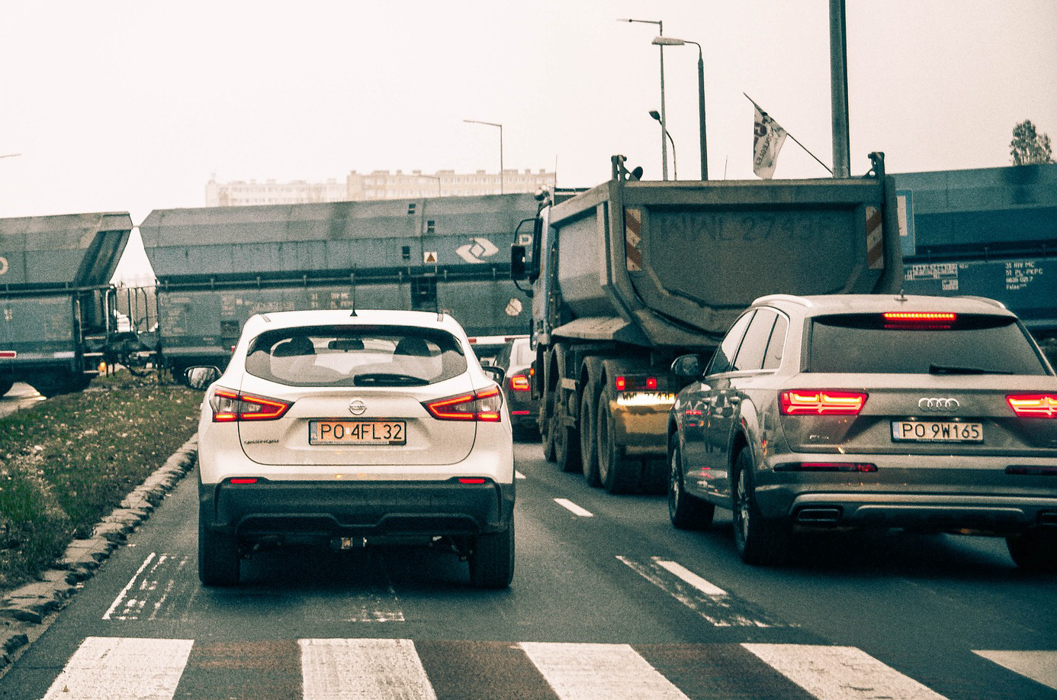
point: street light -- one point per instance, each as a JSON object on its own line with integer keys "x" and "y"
{"x": 665, "y": 132}
{"x": 474, "y": 121}
{"x": 669, "y": 41}
{"x": 664, "y": 117}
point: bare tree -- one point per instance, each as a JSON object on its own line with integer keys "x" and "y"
{"x": 1029, "y": 147}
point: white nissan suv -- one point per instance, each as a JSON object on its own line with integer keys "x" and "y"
{"x": 353, "y": 428}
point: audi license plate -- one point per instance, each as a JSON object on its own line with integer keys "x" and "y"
{"x": 937, "y": 431}
{"x": 357, "y": 432}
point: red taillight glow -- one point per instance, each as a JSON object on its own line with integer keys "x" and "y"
{"x": 651, "y": 383}
{"x": 1033, "y": 405}
{"x": 621, "y": 383}
{"x": 471, "y": 480}
{"x": 483, "y": 405}
{"x": 919, "y": 320}
{"x": 801, "y": 402}
{"x": 519, "y": 382}
{"x": 243, "y": 480}
{"x": 826, "y": 467}
{"x": 231, "y": 407}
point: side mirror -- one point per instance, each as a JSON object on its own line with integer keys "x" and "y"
{"x": 201, "y": 377}
{"x": 498, "y": 372}
{"x": 517, "y": 263}
{"x": 687, "y": 367}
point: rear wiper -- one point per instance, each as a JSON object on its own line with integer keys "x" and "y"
{"x": 388, "y": 378}
{"x": 952, "y": 369}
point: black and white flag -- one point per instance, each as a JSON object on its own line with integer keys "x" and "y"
{"x": 769, "y": 137}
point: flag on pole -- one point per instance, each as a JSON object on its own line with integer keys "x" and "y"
{"x": 768, "y": 139}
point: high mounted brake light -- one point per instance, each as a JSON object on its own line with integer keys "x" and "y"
{"x": 919, "y": 320}
{"x": 820, "y": 402}
{"x": 232, "y": 407}
{"x": 483, "y": 405}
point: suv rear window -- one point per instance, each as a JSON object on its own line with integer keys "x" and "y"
{"x": 967, "y": 344}
{"x": 355, "y": 356}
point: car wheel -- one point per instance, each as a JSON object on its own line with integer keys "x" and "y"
{"x": 588, "y": 430}
{"x": 1035, "y": 550}
{"x": 760, "y": 540}
{"x": 492, "y": 561}
{"x": 616, "y": 474}
{"x": 218, "y": 557}
{"x": 685, "y": 511}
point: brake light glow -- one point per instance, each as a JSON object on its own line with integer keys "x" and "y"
{"x": 519, "y": 382}
{"x": 483, "y": 406}
{"x": 243, "y": 480}
{"x": 800, "y": 402}
{"x": 471, "y": 480}
{"x": 651, "y": 383}
{"x": 1033, "y": 405}
{"x": 919, "y": 320}
{"x": 621, "y": 383}
{"x": 232, "y": 407}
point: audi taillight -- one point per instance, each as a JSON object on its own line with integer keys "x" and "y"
{"x": 483, "y": 405}
{"x": 1033, "y": 405}
{"x": 519, "y": 382}
{"x": 232, "y": 406}
{"x": 807, "y": 402}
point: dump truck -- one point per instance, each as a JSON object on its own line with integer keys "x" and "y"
{"x": 59, "y": 318}
{"x": 630, "y": 274}
{"x": 217, "y": 266}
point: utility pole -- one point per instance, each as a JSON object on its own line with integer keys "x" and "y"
{"x": 838, "y": 58}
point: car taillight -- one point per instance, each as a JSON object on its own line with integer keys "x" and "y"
{"x": 801, "y": 402}
{"x": 1033, "y": 405}
{"x": 483, "y": 405}
{"x": 231, "y": 407}
{"x": 919, "y": 320}
{"x": 519, "y": 382}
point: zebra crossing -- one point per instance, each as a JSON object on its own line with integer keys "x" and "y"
{"x": 104, "y": 668}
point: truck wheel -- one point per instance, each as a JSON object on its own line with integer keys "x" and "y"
{"x": 566, "y": 439}
{"x": 547, "y": 410}
{"x": 759, "y": 540}
{"x": 685, "y": 511}
{"x": 492, "y": 560}
{"x": 1035, "y": 550}
{"x": 218, "y": 557}
{"x": 616, "y": 473}
{"x": 589, "y": 430}
{"x": 5, "y": 386}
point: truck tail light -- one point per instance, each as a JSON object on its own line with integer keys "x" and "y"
{"x": 1033, "y": 405}
{"x": 820, "y": 402}
{"x": 232, "y": 407}
{"x": 483, "y": 405}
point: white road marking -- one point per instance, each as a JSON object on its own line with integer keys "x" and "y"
{"x": 518, "y": 475}
{"x": 690, "y": 577}
{"x": 840, "y": 673}
{"x": 592, "y": 671}
{"x": 109, "y": 667}
{"x": 573, "y": 508}
{"x": 128, "y": 586}
{"x": 379, "y": 669}
{"x": 1039, "y": 666}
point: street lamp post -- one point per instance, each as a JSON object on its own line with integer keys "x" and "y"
{"x": 675, "y": 160}
{"x": 474, "y": 121}
{"x": 664, "y": 116}
{"x": 670, "y": 41}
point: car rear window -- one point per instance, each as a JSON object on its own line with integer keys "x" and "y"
{"x": 355, "y": 356}
{"x": 965, "y": 344}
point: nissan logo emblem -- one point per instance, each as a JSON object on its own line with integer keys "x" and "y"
{"x": 938, "y": 405}
{"x": 357, "y": 407}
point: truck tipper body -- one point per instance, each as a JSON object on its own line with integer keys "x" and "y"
{"x": 631, "y": 274}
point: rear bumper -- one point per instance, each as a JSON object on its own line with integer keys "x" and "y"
{"x": 363, "y": 509}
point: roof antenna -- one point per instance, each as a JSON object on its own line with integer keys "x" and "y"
{"x": 352, "y": 284}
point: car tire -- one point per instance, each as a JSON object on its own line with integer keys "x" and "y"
{"x": 616, "y": 473}
{"x": 685, "y": 511}
{"x": 1035, "y": 550}
{"x": 218, "y": 557}
{"x": 760, "y": 541}
{"x": 492, "y": 560}
{"x": 589, "y": 430}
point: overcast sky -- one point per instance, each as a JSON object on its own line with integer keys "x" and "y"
{"x": 132, "y": 106}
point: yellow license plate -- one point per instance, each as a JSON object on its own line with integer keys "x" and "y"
{"x": 357, "y": 432}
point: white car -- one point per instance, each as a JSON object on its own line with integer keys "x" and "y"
{"x": 351, "y": 429}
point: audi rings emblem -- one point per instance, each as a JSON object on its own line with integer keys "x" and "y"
{"x": 357, "y": 407}
{"x": 938, "y": 405}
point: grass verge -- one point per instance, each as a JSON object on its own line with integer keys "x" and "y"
{"x": 67, "y": 462}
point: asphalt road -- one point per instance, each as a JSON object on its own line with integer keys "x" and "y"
{"x": 608, "y": 600}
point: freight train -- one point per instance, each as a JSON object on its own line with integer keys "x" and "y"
{"x": 215, "y": 267}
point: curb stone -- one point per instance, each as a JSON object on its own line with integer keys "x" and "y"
{"x": 23, "y": 611}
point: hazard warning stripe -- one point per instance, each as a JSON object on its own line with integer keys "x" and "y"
{"x": 874, "y": 239}
{"x": 633, "y": 239}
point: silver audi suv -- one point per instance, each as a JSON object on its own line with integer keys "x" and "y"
{"x": 873, "y": 411}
